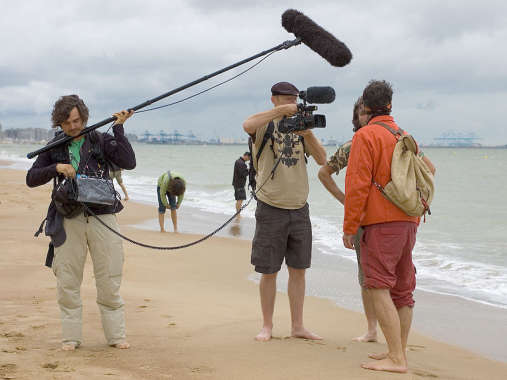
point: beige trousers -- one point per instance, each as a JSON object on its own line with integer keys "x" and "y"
{"x": 106, "y": 250}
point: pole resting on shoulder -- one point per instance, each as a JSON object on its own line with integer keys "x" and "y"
{"x": 54, "y": 144}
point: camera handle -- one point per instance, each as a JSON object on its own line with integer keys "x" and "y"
{"x": 283, "y": 46}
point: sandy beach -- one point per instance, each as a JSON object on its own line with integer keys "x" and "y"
{"x": 191, "y": 314}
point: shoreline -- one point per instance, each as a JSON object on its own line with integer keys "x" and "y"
{"x": 179, "y": 309}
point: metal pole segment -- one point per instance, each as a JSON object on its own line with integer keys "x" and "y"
{"x": 284, "y": 45}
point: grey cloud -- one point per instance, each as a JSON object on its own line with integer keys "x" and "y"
{"x": 444, "y": 59}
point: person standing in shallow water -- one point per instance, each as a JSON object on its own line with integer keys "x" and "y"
{"x": 239, "y": 180}
{"x": 283, "y": 229}
{"x": 73, "y": 236}
{"x": 338, "y": 161}
{"x": 115, "y": 173}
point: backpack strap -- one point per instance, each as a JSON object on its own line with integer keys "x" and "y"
{"x": 268, "y": 135}
{"x": 97, "y": 143}
{"x": 399, "y": 133}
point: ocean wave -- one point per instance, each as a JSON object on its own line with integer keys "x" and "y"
{"x": 442, "y": 267}
{"x": 17, "y": 161}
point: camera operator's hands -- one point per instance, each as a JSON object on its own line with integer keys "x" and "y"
{"x": 122, "y": 116}
{"x": 304, "y": 132}
{"x": 66, "y": 169}
{"x": 287, "y": 109}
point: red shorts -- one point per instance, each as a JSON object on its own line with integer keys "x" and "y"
{"x": 386, "y": 259}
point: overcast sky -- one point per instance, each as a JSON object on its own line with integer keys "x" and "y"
{"x": 447, "y": 61}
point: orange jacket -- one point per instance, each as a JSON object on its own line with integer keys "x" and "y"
{"x": 370, "y": 158}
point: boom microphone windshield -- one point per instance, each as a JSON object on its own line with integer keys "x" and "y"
{"x": 318, "y": 95}
{"x": 316, "y": 38}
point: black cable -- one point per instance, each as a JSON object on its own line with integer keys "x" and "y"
{"x": 208, "y": 89}
{"x": 87, "y": 209}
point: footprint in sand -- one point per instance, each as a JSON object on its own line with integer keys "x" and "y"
{"x": 142, "y": 307}
{"x": 50, "y": 365}
{"x": 415, "y": 347}
{"x": 422, "y": 373}
{"x": 13, "y": 334}
{"x": 6, "y": 371}
{"x": 318, "y": 342}
{"x": 147, "y": 299}
{"x": 341, "y": 348}
{"x": 35, "y": 327}
{"x": 171, "y": 324}
{"x": 8, "y": 367}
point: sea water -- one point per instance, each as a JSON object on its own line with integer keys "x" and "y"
{"x": 461, "y": 250}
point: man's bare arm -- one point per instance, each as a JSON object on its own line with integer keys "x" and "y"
{"x": 313, "y": 146}
{"x": 254, "y": 122}
{"x": 327, "y": 180}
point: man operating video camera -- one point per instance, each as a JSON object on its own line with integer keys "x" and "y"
{"x": 283, "y": 229}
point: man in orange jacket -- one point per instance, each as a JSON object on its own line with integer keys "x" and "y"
{"x": 389, "y": 234}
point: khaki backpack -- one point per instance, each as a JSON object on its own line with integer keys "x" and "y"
{"x": 412, "y": 186}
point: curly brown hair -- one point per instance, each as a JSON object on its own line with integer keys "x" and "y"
{"x": 63, "y": 107}
{"x": 177, "y": 186}
{"x": 355, "y": 114}
{"x": 377, "y": 96}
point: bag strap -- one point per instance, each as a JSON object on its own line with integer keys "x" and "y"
{"x": 267, "y": 135}
{"x": 397, "y": 133}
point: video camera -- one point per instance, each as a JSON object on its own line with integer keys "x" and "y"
{"x": 304, "y": 118}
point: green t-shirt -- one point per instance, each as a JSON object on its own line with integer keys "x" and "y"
{"x": 163, "y": 184}
{"x": 74, "y": 152}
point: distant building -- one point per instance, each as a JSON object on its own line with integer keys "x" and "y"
{"x": 25, "y": 135}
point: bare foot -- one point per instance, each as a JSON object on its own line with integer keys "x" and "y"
{"x": 385, "y": 365}
{"x": 126, "y": 199}
{"x": 121, "y": 345}
{"x": 69, "y": 346}
{"x": 264, "y": 335}
{"x": 305, "y": 334}
{"x": 366, "y": 338}
{"x": 162, "y": 230}
{"x": 378, "y": 356}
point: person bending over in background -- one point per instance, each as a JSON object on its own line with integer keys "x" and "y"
{"x": 170, "y": 185}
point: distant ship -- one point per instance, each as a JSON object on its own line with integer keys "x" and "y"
{"x": 457, "y": 140}
{"x": 173, "y": 138}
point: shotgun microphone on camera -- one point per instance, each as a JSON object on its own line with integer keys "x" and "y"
{"x": 318, "y": 95}
{"x": 316, "y": 38}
